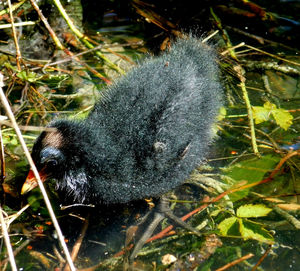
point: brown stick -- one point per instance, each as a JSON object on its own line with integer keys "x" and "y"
{"x": 250, "y": 255}
{"x": 262, "y": 258}
{"x": 78, "y": 243}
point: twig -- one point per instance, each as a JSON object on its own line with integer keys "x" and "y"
{"x": 69, "y": 96}
{"x": 13, "y": 8}
{"x": 36, "y": 174}
{"x": 82, "y": 37}
{"x": 78, "y": 243}
{"x": 210, "y": 36}
{"x": 262, "y": 258}
{"x": 68, "y": 19}
{"x": 3, "y": 175}
{"x": 76, "y": 205}
{"x": 3, "y": 26}
{"x": 2, "y": 160}
{"x": 18, "y": 53}
{"x": 274, "y": 143}
{"x": 275, "y": 56}
{"x": 289, "y": 218}
{"x": 7, "y": 242}
{"x": 246, "y": 257}
{"x": 16, "y": 215}
{"x": 240, "y": 73}
{"x": 233, "y": 48}
{"x": 50, "y": 30}
{"x": 58, "y": 256}
{"x": 263, "y": 65}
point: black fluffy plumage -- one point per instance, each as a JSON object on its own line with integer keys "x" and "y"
{"x": 144, "y": 137}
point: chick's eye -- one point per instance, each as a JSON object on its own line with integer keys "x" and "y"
{"x": 52, "y": 163}
{"x": 51, "y": 157}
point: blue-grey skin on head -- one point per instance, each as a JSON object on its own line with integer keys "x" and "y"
{"x": 143, "y": 138}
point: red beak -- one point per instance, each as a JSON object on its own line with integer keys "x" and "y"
{"x": 31, "y": 181}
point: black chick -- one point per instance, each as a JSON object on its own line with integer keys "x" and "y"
{"x": 143, "y": 138}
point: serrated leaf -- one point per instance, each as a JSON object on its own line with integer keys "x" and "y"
{"x": 263, "y": 113}
{"x": 269, "y": 106}
{"x": 260, "y": 114}
{"x": 226, "y": 225}
{"x": 250, "y": 171}
{"x": 283, "y": 118}
{"x": 251, "y": 230}
{"x": 250, "y": 210}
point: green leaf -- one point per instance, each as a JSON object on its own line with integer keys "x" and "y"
{"x": 251, "y": 230}
{"x": 251, "y": 170}
{"x": 226, "y": 225}
{"x": 10, "y": 140}
{"x": 29, "y": 76}
{"x": 260, "y": 114}
{"x": 283, "y": 118}
{"x": 263, "y": 113}
{"x": 250, "y": 210}
{"x": 269, "y": 106}
{"x": 215, "y": 212}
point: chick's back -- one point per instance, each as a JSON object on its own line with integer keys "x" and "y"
{"x": 157, "y": 122}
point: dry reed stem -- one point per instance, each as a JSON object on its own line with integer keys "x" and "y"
{"x": 7, "y": 242}
{"x": 36, "y": 174}
{"x": 18, "y": 52}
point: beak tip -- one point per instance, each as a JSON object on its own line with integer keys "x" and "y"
{"x": 31, "y": 182}
{"x": 25, "y": 189}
